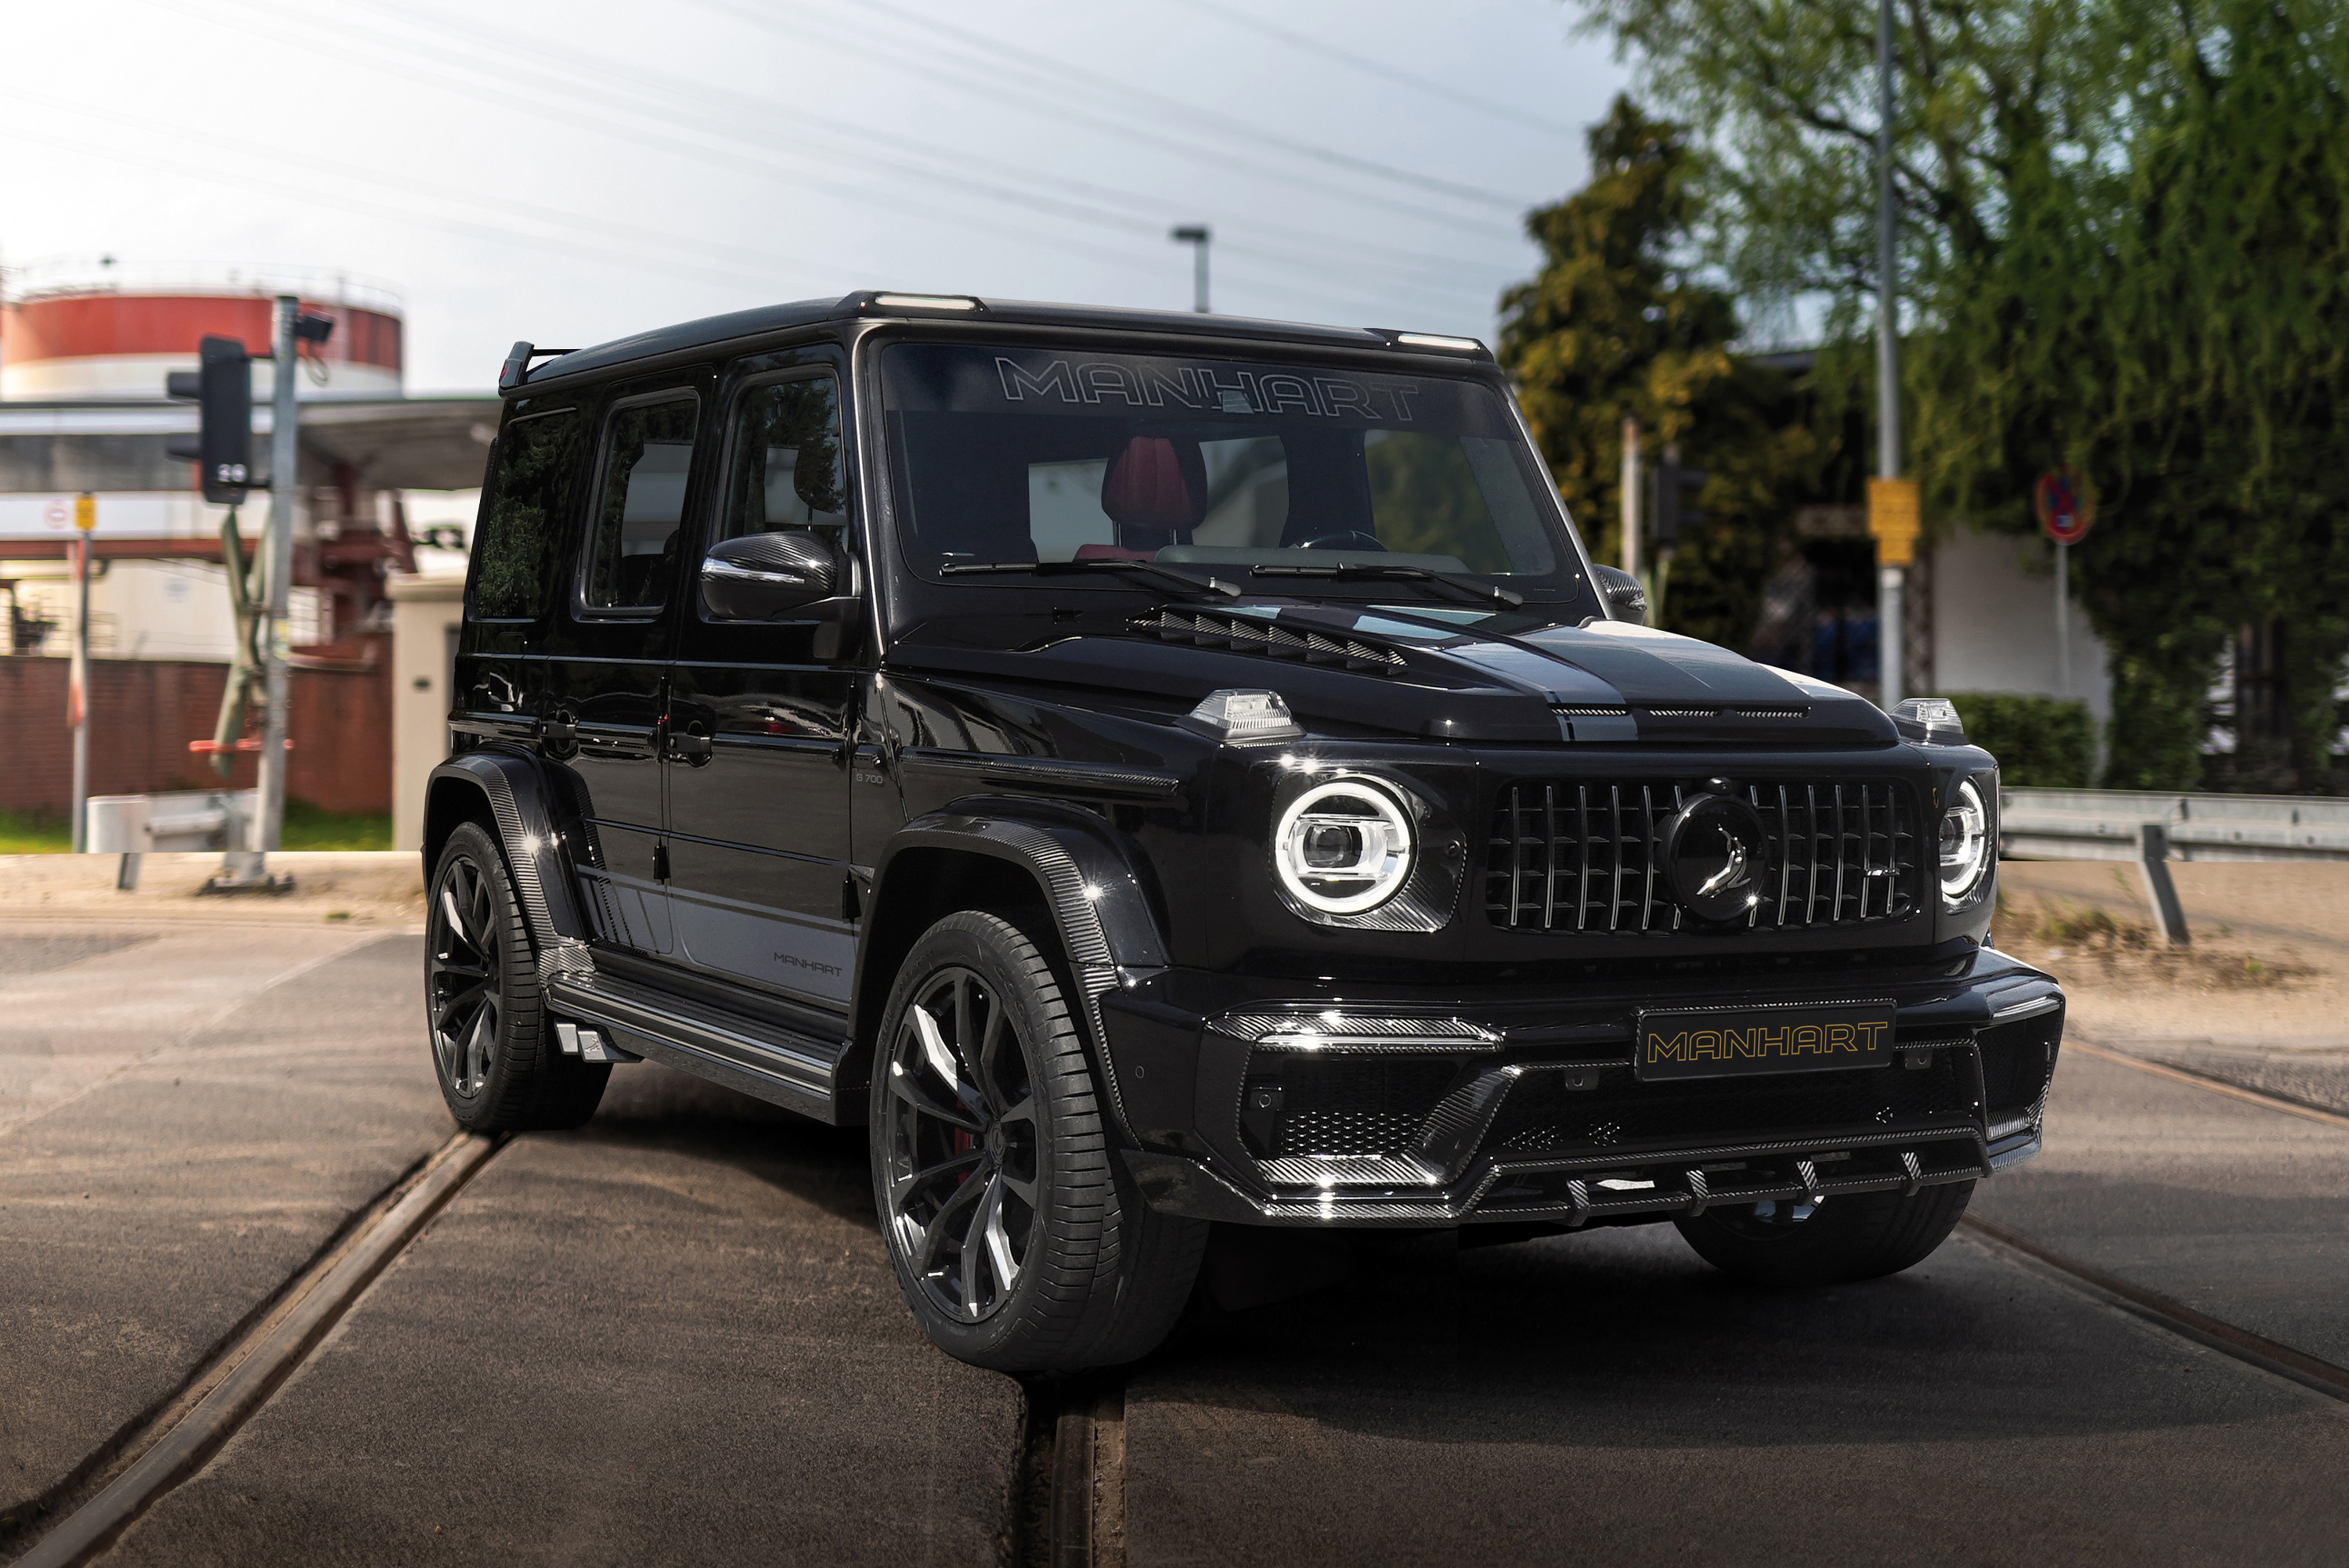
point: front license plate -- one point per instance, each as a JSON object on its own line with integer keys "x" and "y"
{"x": 1728, "y": 1042}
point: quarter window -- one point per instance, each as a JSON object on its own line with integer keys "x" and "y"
{"x": 523, "y": 511}
{"x": 786, "y": 471}
{"x": 648, "y": 458}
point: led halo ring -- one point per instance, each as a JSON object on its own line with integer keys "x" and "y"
{"x": 1966, "y": 850}
{"x": 1343, "y": 858}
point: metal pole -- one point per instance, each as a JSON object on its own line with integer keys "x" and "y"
{"x": 1197, "y": 236}
{"x": 1889, "y": 579}
{"x": 285, "y": 453}
{"x": 2063, "y": 617}
{"x": 1632, "y": 497}
{"x": 80, "y": 703}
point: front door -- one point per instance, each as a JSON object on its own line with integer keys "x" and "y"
{"x": 760, "y": 714}
{"x": 606, "y": 677}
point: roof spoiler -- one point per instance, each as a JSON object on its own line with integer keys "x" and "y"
{"x": 517, "y": 365}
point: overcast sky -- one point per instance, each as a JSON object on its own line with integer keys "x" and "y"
{"x": 570, "y": 170}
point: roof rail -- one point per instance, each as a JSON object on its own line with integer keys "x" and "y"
{"x": 516, "y": 368}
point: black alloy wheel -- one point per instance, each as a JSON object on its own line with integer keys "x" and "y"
{"x": 462, "y": 978}
{"x": 961, "y": 1146}
{"x": 1015, "y": 1234}
{"x": 493, "y": 1048}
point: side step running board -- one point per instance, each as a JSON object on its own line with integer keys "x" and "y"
{"x": 780, "y": 1065}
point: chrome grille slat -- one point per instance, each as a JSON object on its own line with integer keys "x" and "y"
{"x": 1833, "y": 841}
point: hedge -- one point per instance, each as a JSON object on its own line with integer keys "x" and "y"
{"x": 2041, "y": 741}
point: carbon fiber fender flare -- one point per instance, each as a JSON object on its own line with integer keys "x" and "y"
{"x": 514, "y": 787}
{"x": 1090, "y": 880}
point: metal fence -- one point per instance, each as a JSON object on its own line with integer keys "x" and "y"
{"x": 2107, "y": 825}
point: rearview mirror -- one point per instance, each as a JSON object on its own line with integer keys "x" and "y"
{"x": 1626, "y": 600}
{"x": 766, "y": 576}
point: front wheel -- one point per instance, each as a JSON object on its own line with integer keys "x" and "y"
{"x": 1014, "y": 1238}
{"x": 1839, "y": 1240}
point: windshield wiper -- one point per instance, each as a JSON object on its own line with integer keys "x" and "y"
{"x": 1102, "y": 564}
{"x": 1360, "y": 571}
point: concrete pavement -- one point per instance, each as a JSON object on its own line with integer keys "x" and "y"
{"x": 190, "y": 1116}
{"x": 669, "y": 1337}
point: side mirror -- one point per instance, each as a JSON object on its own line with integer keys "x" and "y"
{"x": 1626, "y": 600}
{"x": 766, "y": 576}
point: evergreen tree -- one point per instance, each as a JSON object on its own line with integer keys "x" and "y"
{"x": 1615, "y": 324}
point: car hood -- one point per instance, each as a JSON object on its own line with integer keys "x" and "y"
{"x": 1456, "y": 676}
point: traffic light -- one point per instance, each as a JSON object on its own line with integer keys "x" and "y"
{"x": 1675, "y": 492}
{"x": 224, "y": 445}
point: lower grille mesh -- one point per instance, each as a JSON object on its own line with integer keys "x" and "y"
{"x": 1542, "y": 1116}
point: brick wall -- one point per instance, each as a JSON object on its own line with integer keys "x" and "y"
{"x": 143, "y": 713}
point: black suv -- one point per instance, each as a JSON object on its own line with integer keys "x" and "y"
{"x": 1153, "y": 769}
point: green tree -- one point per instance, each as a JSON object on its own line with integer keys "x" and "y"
{"x": 2125, "y": 244}
{"x": 1619, "y": 323}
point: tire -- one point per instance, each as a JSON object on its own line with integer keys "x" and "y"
{"x": 1076, "y": 1270}
{"x": 1861, "y": 1236}
{"x": 493, "y": 1050}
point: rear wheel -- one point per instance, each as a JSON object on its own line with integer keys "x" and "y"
{"x": 492, "y": 1048}
{"x": 1016, "y": 1241}
{"x": 1834, "y": 1241}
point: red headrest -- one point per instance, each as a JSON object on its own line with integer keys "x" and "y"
{"x": 1156, "y": 484}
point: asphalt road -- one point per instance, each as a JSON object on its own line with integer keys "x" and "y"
{"x": 671, "y": 1337}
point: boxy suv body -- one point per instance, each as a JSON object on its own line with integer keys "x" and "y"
{"x": 1159, "y": 770}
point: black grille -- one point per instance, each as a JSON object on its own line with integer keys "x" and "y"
{"x": 2016, "y": 1060}
{"x": 1352, "y": 1104}
{"x": 1584, "y": 857}
{"x": 1543, "y": 1116}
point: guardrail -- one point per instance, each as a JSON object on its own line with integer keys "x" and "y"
{"x": 2105, "y": 825}
{"x": 2154, "y": 828}
{"x": 134, "y": 825}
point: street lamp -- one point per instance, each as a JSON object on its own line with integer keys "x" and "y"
{"x": 1196, "y": 235}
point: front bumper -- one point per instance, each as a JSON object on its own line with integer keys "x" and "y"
{"x": 1395, "y": 1110}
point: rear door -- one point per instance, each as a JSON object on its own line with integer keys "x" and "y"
{"x": 608, "y": 678}
{"x": 762, "y": 712}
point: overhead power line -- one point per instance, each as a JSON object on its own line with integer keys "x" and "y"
{"x": 1312, "y": 45}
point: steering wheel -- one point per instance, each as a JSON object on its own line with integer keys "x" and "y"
{"x": 1343, "y": 538}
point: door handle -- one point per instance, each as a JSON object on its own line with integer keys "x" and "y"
{"x": 559, "y": 733}
{"x": 689, "y": 746}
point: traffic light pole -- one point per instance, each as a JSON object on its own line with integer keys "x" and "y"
{"x": 284, "y": 455}
{"x": 1892, "y": 564}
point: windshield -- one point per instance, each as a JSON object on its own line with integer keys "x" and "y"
{"x": 1009, "y": 455}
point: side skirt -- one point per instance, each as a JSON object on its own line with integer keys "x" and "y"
{"x": 782, "y": 1067}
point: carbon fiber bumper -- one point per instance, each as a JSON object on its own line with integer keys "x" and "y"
{"x": 1396, "y": 1112}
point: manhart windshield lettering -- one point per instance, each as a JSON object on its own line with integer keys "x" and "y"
{"x": 1206, "y": 389}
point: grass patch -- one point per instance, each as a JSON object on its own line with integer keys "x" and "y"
{"x": 309, "y": 828}
{"x": 306, "y": 828}
{"x": 34, "y": 835}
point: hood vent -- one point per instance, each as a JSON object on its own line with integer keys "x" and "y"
{"x": 1248, "y": 635}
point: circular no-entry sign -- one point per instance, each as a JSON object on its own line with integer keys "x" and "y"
{"x": 2067, "y": 509}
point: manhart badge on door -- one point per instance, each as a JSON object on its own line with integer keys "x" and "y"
{"x": 1154, "y": 770}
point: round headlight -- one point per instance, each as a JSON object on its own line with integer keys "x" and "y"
{"x": 1966, "y": 848}
{"x": 1343, "y": 847}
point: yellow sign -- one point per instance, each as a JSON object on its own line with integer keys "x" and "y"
{"x": 1892, "y": 520}
{"x": 85, "y": 511}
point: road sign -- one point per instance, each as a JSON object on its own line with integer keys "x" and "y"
{"x": 86, "y": 511}
{"x": 1892, "y": 520}
{"x": 2065, "y": 505}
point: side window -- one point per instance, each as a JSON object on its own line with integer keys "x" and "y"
{"x": 640, "y": 505}
{"x": 523, "y": 513}
{"x": 786, "y": 471}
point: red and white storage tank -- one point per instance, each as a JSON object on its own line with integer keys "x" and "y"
{"x": 104, "y": 339}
